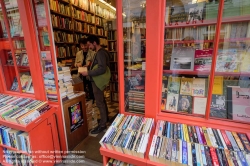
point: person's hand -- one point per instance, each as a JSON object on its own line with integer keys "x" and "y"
{"x": 84, "y": 73}
{"x": 79, "y": 65}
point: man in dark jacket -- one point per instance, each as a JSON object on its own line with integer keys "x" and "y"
{"x": 102, "y": 59}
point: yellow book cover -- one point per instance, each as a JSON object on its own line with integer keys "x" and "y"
{"x": 186, "y": 86}
{"x": 206, "y": 136}
{"x": 218, "y": 85}
{"x": 186, "y": 136}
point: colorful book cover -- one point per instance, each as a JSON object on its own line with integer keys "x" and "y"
{"x": 198, "y": 88}
{"x": 227, "y": 61}
{"x": 218, "y": 107}
{"x": 174, "y": 85}
{"x": 245, "y": 141}
{"x": 203, "y": 60}
{"x": 172, "y": 102}
{"x": 239, "y": 104}
{"x": 186, "y": 86}
{"x": 185, "y": 104}
{"x": 184, "y": 153}
{"x": 245, "y": 61}
{"x": 218, "y": 85}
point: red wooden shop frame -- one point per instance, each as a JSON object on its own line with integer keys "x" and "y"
{"x": 154, "y": 61}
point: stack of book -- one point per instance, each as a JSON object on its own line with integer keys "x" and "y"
{"x": 21, "y": 110}
{"x": 194, "y": 145}
{"x": 49, "y": 83}
{"x": 128, "y": 135}
{"x": 65, "y": 83}
{"x": 114, "y": 162}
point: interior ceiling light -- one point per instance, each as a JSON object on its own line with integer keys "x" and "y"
{"x": 107, "y": 4}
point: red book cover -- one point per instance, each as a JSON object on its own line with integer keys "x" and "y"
{"x": 202, "y": 60}
{"x": 214, "y": 157}
{"x": 228, "y": 143}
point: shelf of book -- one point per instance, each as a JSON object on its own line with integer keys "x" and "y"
{"x": 33, "y": 124}
{"x": 14, "y": 149}
{"x": 208, "y": 22}
{"x": 64, "y": 15}
{"x": 78, "y": 7}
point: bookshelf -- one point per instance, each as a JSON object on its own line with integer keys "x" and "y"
{"x": 112, "y": 48}
{"x": 162, "y": 36}
{"x": 72, "y": 20}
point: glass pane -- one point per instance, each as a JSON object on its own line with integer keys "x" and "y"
{"x": 8, "y": 67}
{"x": 45, "y": 49}
{"x": 188, "y": 47}
{"x": 3, "y": 30}
{"x": 230, "y": 99}
{"x": 134, "y": 37}
{"x": 20, "y": 58}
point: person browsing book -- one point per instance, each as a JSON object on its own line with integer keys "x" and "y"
{"x": 100, "y": 75}
{"x": 84, "y": 57}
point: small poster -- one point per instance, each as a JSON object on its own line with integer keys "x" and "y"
{"x": 76, "y": 117}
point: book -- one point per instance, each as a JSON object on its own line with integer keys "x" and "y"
{"x": 218, "y": 106}
{"x": 174, "y": 85}
{"x": 186, "y": 86}
{"x": 185, "y": 104}
{"x": 203, "y": 60}
{"x": 172, "y": 102}
{"x": 239, "y": 104}
{"x": 82, "y": 69}
{"x": 228, "y": 60}
{"x": 182, "y": 58}
{"x": 198, "y": 88}
{"x": 218, "y": 85}
{"x": 199, "y": 105}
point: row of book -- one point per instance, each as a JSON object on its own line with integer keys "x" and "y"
{"x": 78, "y": 14}
{"x": 15, "y": 138}
{"x": 26, "y": 83}
{"x": 21, "y": 110}
{"x": 21, "y": 59}
{"x": 195, "y": 145}
{"x": 60, "y": 36}
{"x": 190, "y": 59}
{"x": 136, "y": 100}
{"x": 114, "y": 162}
{"x": 85, "y": 5}
{"x": 13, "y": 158}
{"x": 128, "y": 134}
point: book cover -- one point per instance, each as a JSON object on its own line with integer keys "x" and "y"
{"x": 174, "y": 85}
{"x": 182, "y": 58}
{"x": 199, "y": 105}
{"x": 239, "y": 104}
{"x": 198, "y": 88}
{"x": 227, "y": 60}
{"x": 245, "y": 61}
{"x": 203, "y": 60}
{"x": 172, "y": 102}
{"x": 245, "y": 141}
{"x": 218, "y": 85}
{"x": 186, "y": 86}
{"x": 185, "y": 104}
{"x": 218, "y": 107}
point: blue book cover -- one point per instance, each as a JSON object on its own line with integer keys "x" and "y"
{"x": 184, "y": 153}
{"x": 242, "y": 158}
{"x": 169, "y": 124}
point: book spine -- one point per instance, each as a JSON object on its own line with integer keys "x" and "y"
{"x": 174, "y": 147}
{"x": 203, "y": 136}
{"x": 228, "y": 143}
{"x": 180, "y": 151}
{"x": 245, "y": 142}
{"x": 169, "y": 127}
{"x": 179, "y": 131}
{"x": 233, "y": 157}
{"x": 198, "y": 159}
{"x": 175, "y": 131}
{"x": 184, "y": 153}
{"x": 222, "y": 140}
{"x": 190, "y": 160}
{"x": 182, "y": 133}
{"x": 195, "y": 134}
{"x": 199, "y": 134}
{"x": 203, "y": 155}
{"x": 194, "y": 157}
{"x": 240, "y": 145}
{"x": 219, "y": 155}
{"x": 224, "y": 158}
{"x": 212, "y": 138}
{"x": 190, "y": 133}
{"x": 208, "y": 156}
{"x": 186, "y": 133}
{"x": 242, "y": 158}
{"x": 206, "y": 136}
{"x": 214, "y": 156}
{"x": 169, "y": 150}
{"x": 216, "y": 135}
{"x": 228, "y": 157}
{"x": 230, "y": 136}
